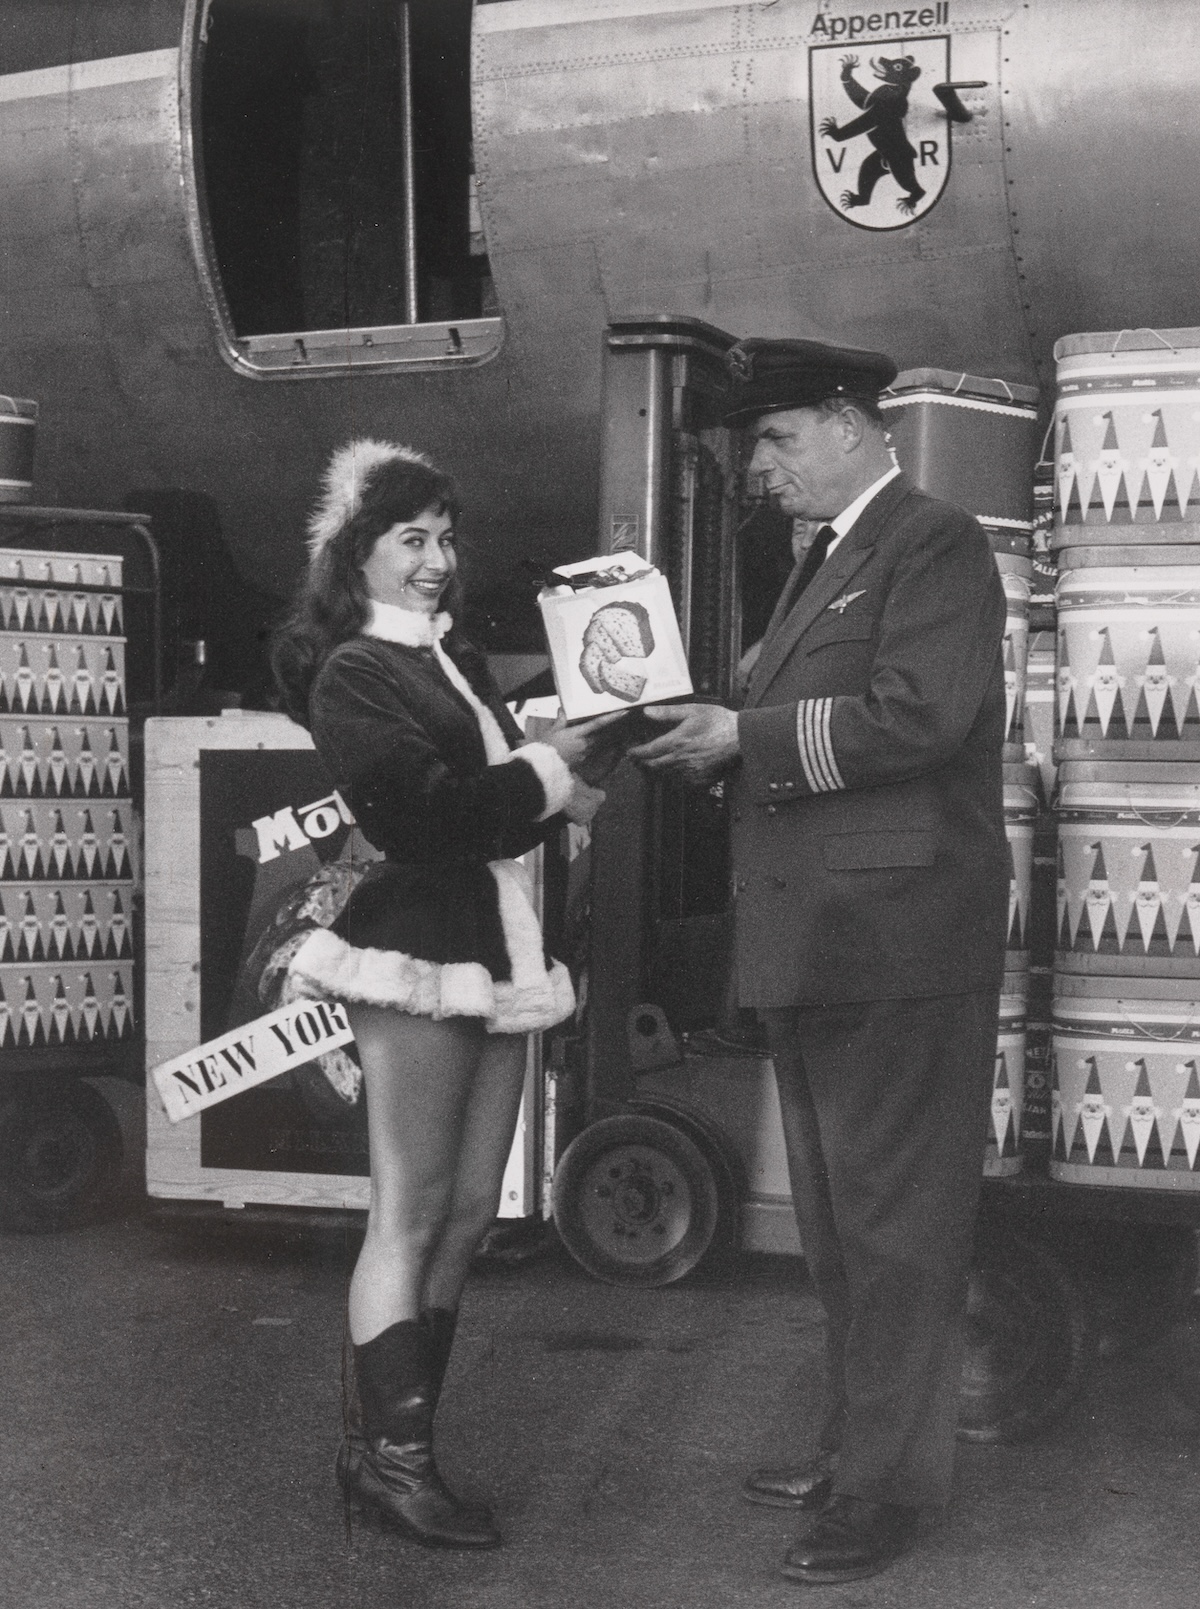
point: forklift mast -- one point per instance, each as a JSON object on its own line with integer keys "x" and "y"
{"x": 671, "y": 491}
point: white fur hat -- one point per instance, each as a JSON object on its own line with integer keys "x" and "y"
{"x": 344, "y": 482}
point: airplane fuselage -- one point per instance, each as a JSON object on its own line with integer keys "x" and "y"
{"x": 629, "y": 156}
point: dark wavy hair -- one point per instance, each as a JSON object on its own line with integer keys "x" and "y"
{"x": 331, "y": 601}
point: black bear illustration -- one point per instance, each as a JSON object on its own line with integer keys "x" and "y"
{"x": 884, "y": 110}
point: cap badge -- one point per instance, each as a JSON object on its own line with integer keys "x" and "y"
{"x": 740, "y": 363}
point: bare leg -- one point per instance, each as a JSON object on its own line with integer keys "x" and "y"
{"x": 489, "y": 1122}
{"x": 419, "y": 1075}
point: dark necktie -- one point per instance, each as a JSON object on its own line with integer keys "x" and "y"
{"x": 813, "y": 559}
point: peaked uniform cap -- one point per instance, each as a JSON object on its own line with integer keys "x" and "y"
{"x": 345, "y": 482}
{"x": 769, "y": 376}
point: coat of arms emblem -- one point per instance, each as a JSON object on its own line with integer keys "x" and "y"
{"x": 880, "y": 135}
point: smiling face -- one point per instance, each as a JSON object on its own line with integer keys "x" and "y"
{"x": 411, "y": 565}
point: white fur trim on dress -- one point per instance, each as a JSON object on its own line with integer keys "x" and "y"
{"x": 495, "y": 744}
{"x": 414, "y": 630}
{"x": 406, "y": 626}
{"x": 326, "y": 966}
{"x": 549, "y": 768}
{"x": 552, "y": 772}
{"x": 534, "y": 998}
{"x": 344, "y": 481}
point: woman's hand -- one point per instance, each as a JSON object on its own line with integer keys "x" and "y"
{"x": 576, "y": 744}
{"x": 583, "y": 803}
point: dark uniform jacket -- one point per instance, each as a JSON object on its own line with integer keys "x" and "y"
{"x": 868, "y": 818}
{"x": 404, "y": 748}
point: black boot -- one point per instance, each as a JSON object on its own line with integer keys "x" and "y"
{"x": 396, "y": 1475}
{"x": 354, "y": 1437}
{"x": 440, "y": 1323}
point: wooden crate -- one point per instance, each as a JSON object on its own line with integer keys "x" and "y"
{"x": 239, "y": 815}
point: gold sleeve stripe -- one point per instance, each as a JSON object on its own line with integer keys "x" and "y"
{"x": 810, "y": 776}
{"x": 815, "y": 742}
{"x": 812, "y": 733}
{"x": 826, "y": 735}
{"x": 821, "y": 744}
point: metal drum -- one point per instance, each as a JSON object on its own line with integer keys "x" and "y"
{"x": 1128, "y": 870}
{"x": 1128, "y": 654}
{"x": 970, "y": 440}
{"x": 1020, "y": 811}
{"x": 1016, "y": 573}
{"x": 1011, "y": 538}
{"x": 18, "y": 430}
{"x": 1125, "y": 1092}
{"x": 1003, "y": 1153}
{"x": 1127, "y": 438}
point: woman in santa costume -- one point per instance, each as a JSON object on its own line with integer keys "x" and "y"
{"x": 437, "y": 956}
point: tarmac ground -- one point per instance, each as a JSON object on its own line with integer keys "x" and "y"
{"x": 172, "y": 1409}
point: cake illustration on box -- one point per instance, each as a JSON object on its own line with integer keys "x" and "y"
{"x": 616, "y": 634}
{"x": 613, "y": 636}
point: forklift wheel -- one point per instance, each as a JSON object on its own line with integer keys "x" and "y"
{"x": 635, "y": 1201}
{"x": 60, "y": 1155}
{"x": 1028, "y": 1341}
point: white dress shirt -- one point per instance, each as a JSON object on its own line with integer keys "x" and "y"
{"x": 847, "y": 517}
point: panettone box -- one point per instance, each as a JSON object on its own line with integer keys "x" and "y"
{"x": 613, "y": 637}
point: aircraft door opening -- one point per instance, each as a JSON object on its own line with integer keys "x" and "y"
{"x": 336, "y": 217}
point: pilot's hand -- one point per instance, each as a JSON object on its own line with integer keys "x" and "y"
{"x": 700, "y": 743}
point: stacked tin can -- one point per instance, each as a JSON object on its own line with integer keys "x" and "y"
{"x": 1126, "y": 1036}
{"x": 1039, "y": 753}
{"x": 973, "y": 442}
{"x": 67, "y": 845}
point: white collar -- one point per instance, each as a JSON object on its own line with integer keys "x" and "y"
{"x": 405, "y": 626}
{"x": 848, "y": 515}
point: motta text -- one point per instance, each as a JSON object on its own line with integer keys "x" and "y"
{"x": 250, "y": 1055}
{"x": 295, "y": 826}
{"x": 828, "y": 30}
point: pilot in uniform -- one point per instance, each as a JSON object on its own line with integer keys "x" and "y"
{"x": 872, "y": 879}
